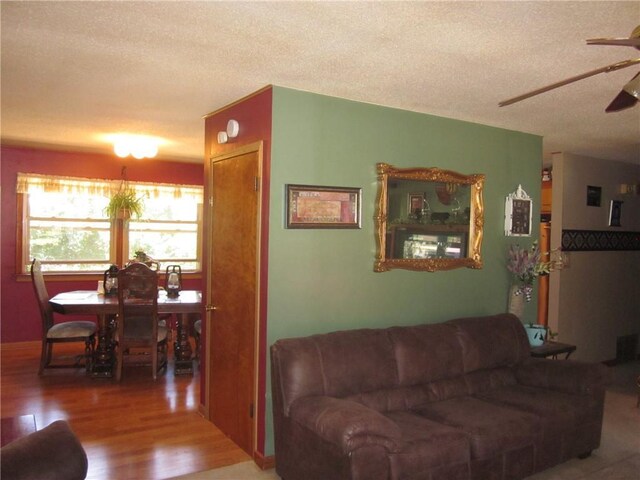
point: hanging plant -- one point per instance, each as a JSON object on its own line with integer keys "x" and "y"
{"x": 124, "y": 203}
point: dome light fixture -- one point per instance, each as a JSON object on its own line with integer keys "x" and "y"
{"x": 138, "y": 146}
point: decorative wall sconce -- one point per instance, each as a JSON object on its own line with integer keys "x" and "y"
{"x": 173, "y": 280}
{"x": 222, "y": 137}
{"x": 233, "y": 128}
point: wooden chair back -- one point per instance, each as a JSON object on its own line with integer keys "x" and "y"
{"x": 137, "y": 312}
{"x": 138, "y": 302}
{"x": 42, "y": 296}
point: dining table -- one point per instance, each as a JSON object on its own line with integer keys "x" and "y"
{"x": 105, "y": 307}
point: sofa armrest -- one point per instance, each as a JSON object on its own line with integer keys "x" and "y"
{"x": 53, "y": 453}
{"x": 569, "y": 376}
{"x": 346, "y": 424}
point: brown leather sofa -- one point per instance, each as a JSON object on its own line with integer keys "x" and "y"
{"x": 456, "y": 400}
{"x": 53, "y": 453}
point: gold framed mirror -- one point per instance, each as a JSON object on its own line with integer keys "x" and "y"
{"x": 428, "y": 219}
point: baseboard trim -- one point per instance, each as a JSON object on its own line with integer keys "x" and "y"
{"x": 265, "y": 463}
{"x": 203, "y": 411}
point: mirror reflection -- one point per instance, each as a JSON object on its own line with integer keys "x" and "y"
{"x": 428, "y": 219}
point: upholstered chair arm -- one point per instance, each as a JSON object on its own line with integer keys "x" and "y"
{"x": 346, "y": 424}
{"x": 568, "y": 376}
{"x": 53, "y": 453}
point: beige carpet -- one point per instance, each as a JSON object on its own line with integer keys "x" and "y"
{"x": 618, "y": 457}
{"x": 240, "y": 471}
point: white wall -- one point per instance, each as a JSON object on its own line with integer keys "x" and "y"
{"x": 597, "y": 298}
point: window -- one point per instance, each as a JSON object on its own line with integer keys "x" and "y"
{"x": 63, "y": 223}
{"x": 168, "y": 230}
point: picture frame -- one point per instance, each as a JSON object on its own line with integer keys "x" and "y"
{"x": 314, "y": 206}
{"x": 615, "y": 212}
{"x": 415, "y": 203}
{"x": 518, "y": 213}
{"x": 594, "y": 195}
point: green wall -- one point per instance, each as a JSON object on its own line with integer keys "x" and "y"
{"x": 323, "y": 280}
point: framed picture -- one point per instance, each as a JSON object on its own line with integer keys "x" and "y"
{"x": 310, "y": 206}
{"x": 415, "y": 203}
{"x": 615, "y": 211}
{"x": 518, "y": 212}
{"x": 594, "y": 194}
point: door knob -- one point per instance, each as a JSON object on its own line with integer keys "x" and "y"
{"x": 210, "y": 308}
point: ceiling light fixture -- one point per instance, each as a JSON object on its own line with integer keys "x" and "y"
{"x": 138, "y": 146}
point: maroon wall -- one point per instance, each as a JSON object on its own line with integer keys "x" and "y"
{"x": 19, "y": 316}
{"x": 254, "y": 114}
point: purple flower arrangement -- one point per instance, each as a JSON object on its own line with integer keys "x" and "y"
{"x": 526, "y": 265}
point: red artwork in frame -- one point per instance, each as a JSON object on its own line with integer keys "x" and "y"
{"x": 310, "y": 206}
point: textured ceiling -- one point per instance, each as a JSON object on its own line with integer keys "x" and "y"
{"x": 73, "y": 71}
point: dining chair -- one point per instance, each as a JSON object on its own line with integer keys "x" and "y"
{"x": 197, "y": 332}
{"x": 138, "y": 326}
{"x": 70, "y": 331}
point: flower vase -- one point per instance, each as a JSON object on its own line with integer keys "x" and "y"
{"x": 516, "y": 301}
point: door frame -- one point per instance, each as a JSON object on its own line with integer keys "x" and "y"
{"x": 256, "y": 147}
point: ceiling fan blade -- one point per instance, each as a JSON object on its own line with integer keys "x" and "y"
{"x": 627, "y": 42}
{"x": 632, "y": 41}
{"x": 627, "y": 97}
{"x": 609, "y": 68}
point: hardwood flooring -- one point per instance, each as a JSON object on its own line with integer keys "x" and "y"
{"x": 135, "y": 429}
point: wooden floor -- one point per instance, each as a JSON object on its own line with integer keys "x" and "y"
{"x": 137, "y": 429}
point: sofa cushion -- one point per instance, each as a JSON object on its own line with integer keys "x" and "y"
{"x": 403, "y": 398}
{"x": 570, "y": 423}
{"x": 492, "y": 429}
{"x": 335, "y": 364}
{"x": 483, "y": 380}
{"x": 558, "y": 410}
{"x": 356, "y": 361}
{"x": 491, "y": 341}
{"x": 428, "y": 447}
{"x": 426, "y": 353}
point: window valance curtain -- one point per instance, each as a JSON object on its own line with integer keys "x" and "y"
{"x": 32, "y": 183}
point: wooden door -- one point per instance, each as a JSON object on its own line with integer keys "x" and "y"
{"x": 543, "y": 280}
{"x": 233, "y": 240}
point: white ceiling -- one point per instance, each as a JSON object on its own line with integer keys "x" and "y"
{"x": 73, "y": 71}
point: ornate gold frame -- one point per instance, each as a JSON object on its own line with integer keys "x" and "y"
{"x": 476, "y": 221}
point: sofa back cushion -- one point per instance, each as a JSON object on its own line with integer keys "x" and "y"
{"x": 336, "y": 364}
{"x": 491, "y": 341}
{"x": 396, "y": 367}
{"x": 426, "y": 353}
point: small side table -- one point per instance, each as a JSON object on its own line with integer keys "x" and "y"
{"x": 552, "y": 349}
